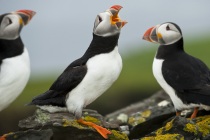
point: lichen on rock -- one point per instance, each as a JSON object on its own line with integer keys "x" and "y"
{"x": 42, "y": 117}
{"x": 201, "y": 125}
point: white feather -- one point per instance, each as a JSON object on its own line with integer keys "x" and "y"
{"x": 102, "y": 71}
{"x": 14, "y": 75}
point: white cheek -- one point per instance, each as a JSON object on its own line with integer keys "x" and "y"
{"x": 171, "y": 37}
{"x": 10, "y": 32}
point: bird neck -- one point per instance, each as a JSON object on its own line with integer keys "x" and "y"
{"x": 165, "y": 51}
{"x": 101, "y": 45}
{"x": 10, "y": 48}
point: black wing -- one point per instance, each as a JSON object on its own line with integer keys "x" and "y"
{"x": 189, "y": 76}
{"x": 68, "y": 80}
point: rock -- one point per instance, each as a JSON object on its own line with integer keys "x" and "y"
{"x": 181, "y": 128}
{"x": 29, "y": 135}
{"x": 64, "y": 125}
{"x": 152, "y": 118}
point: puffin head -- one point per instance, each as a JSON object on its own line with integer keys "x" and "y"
{"x": 164, "y": 34}
{"x": 108, "y": 23}
{"x": 12, "y": 23}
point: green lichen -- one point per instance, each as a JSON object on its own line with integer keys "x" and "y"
{"x": 202, "y": 126}
{"x": 41, "y": 117}
{"x": 116, "y": 135}
{"x": 165, "y": 137}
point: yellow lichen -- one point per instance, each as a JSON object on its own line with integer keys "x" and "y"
{"x": 131, "y": 121}
{"x": 169, "y": 125}
{"x": 191, "y": 128}
{"x": 141, "y": 120}
{"x": 159, "y": 131}
{"x": 73, "y": 123}
{"x": 116, "y": 135}
{"x": 165, "y": 137}
{"x": 92, "y": 119}
{"x": 146, "y": 113}
{"x": 201, "y": 126}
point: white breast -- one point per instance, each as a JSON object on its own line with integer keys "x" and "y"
{"x": 14, "y": 74}
{"x": 103, "y": 70}
{"x": 157, "y": 71}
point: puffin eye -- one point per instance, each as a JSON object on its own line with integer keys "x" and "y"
{"x": 10, "y": 21}
{"x": 167, "y": 27}
{"x": 100, "y": 19}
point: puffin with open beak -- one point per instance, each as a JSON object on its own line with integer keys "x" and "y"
{"x": 185, "y": 78}
{"x": 14, "y": 57}
{"x": 86, "y": 78}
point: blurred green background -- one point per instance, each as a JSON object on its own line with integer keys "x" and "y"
{"x": 135, "y": 83}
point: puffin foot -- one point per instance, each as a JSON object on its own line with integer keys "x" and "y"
{"x": 103, "y": 131}
{"x": 194, "y": 113}
{"x": 4, "y": 136}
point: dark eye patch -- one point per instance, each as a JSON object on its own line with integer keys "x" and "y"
{"x": 100, "y": 19}
{"x": 167, "y": 27}
{"x": 10, "y": 21}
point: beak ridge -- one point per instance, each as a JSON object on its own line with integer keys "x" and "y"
{"x": 26, "y": 15}
{"x": 147, "y": 34}
{"x": 115, "y": 9}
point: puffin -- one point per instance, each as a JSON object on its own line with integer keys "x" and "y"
{"x": 88, "y": 77}
{"x": 186, "y": 79}
{"x": 14, "y": 57}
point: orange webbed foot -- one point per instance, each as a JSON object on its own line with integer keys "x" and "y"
{"x": 103, "y": 131}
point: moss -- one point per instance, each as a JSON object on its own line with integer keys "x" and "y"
{"x": 92, "y": 119}
{"x": 146, "y": 113}
{"x": 165, "y": 137}
{"x": 42, "y": 117}
{"x": 116, "y": 135}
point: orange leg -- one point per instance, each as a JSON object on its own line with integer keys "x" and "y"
{"x": 194, "y": 113}
{"x": 103, "y": 131}
{"x": 178, "y": 113}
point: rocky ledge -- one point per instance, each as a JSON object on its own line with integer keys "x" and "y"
{"x": 151, "y": 119}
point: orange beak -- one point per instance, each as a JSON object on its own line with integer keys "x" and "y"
{"x": 26, "y": 15}
{"x": 151, "y": 34}
{"x": 115, "y": 19}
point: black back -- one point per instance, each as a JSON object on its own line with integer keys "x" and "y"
{"x": 189, "y": 76}
{"x": 75, "y": 72}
